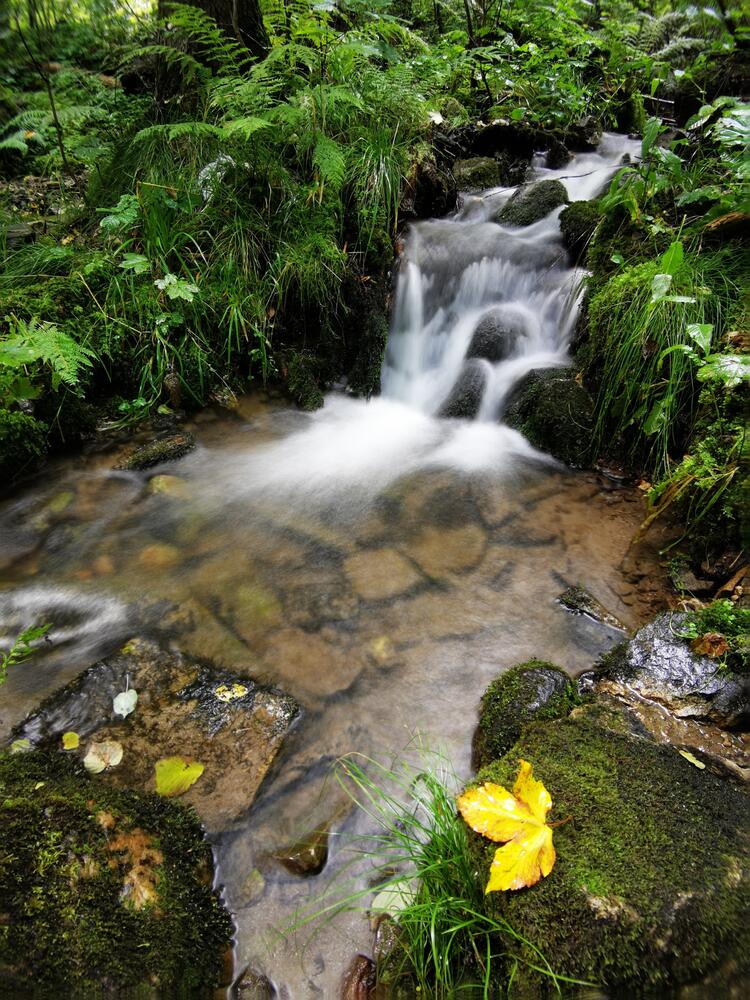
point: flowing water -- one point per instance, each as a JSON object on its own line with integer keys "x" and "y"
{"x": 377, "y": 561}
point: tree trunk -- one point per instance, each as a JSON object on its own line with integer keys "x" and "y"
{"x": 240, "y": 19}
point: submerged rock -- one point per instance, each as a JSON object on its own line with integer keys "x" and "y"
{"x": 477, "y": 173}
{"x": 104, "y": 893}
{"x": 554, "y": 412}
{"x": 465, "y": 397}
{"x": 360, "y": 979}
{"x": 658, "y": 664}
{"x": 530, "y": 204}
{"x": 308, "y": 856}
{"x": 183, "y": 711}
{"x": 167, "y": 449}
{"x": 253, "y": 985}
{"x": 535, "y": 689}
{"x": 651, "y": 886}
{"x": 579, "y": 601}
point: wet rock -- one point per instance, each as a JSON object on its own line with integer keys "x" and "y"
{"x": 577, "y": 224}
{"x": 535, "y": 689}
{"x": 586, "y": 134}
{"x": 159, "y": 556}
{"x": 253, "y": 985}
{"x": 442, "y": 551}
{"x": 167, "y": 449}
{"x": 314, "y": 665}
{"x": 308, "y": 856}
{"x": 579, "y": 601}
{"x": 379, "y": 574}
{"x": 178, "y": 714}
{"x": 360, "y": 979}
{"x": 253, "y": 888}
{"x": 102, "y": 888}
{"x": 430, "y": 190}
{"x": 465, "y": 397}
{"x": 494, "y": 337}
{"x": 659, "y": 664}
{"x": 201, "y": 634}
{"x": 477, "y": 173}
{"x": 652, "y": 879}
{"x": 554, "y": 412}
{"x": 530, "y": 204}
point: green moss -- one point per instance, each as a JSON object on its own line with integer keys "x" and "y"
{"x": 650, "y": 883}
{"x": 577, "y": 224}
{"x": 728, "y": 620}
{"x": 555, "y": 413}
{"x": 71, "y": 926}
{"x": 166, "y": 449}
{"x": 301, "y": 380}
{"x": 532, "y": 204}
{"x": 477, "y": 173}
{"x": 535, "y": 689}
{"x": 23, "y": 442}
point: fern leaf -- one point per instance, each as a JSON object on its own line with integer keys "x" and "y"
{"x": 329, "y": 162}
{"x": 245, "y": 127}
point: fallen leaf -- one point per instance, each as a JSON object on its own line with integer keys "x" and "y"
{"x": 174, "y": 775}
{"x": 228, "y": 692}
{"x": 102, "y": 755}
{"x": 124, "y": 702}
{"x": 70, "y": 741}
{"x": 519, "y": 819}
{"x": 20, "y": 746}
{"x": 693, "y": 760}
{"x": 712, "y": 644}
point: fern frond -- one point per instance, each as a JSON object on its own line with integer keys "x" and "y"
{"x": 328, "y": 161}
{"x": 36, "y": 341}
{"x": 245, "y": 127}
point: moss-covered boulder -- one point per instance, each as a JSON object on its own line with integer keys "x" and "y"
{"x": 535, "y": 689}
{"x": 652, "y": 882}
{"x": 157, "y": 452}
{"x": 555, "y": 413}
{"x": 103, "y": 892}
{"x": 577, "y": 224}
{"x": 532, "y": 203}
{"x": 465, "y": 397}
{"x": 477, "y": 173}
{"x": 301, "y": 374}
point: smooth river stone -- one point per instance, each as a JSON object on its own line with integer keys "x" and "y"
{"x": 178, "y": 714}
{"x": 441, "y": 551}
{"x": 313, "y": 665}
{"x": 380, "y": 574}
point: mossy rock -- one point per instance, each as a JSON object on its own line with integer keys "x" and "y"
{"x": 477, "y": 173}
{"x": 104, "y": 892}
{"x": 652, "y": 882}
{"x": 535, "y": 689}
{"x": 23, "y": 443}
{"x": 166, "y": 449}
{"x": 529, "y": 205}
{"x": 302, "y": 381}
{"x": 555, "y": 413}
{"x": 577, "y": 224}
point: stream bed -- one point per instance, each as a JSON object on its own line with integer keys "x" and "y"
{"x": 375, "y": 560}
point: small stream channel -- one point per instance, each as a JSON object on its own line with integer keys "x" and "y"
{"x": 375, "y": 560}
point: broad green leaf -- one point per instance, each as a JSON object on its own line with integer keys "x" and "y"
{"x": 731, "y": 369}
{"x": 70, "y": 740}
{"x": 174, "y": 775}
{"x": 657, "y": 417}
{"x": 701, "y": 333}
{"x": 660, "y": 286}
{"x": 21, "y": 746}
{"x": 672, "y": 258}
{"x": 135, "y": 262}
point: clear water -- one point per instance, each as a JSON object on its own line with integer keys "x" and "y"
{"x": 379, "y": 563}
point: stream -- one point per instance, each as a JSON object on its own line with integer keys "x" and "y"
{"x": 378, "y": 561}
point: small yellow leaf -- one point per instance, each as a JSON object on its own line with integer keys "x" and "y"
{"x": 70, "y": 741}
{"x": 517, "y": 818}
{"x": 228, "y": 692}
{"x": 174, "y": 775}
{"x": 693, "y": 760}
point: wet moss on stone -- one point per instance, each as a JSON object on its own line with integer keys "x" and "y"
{"x": 555, "y": 413}
{"x": 103, "y": 892}
{"x": 301, "y": 380}
{"x": 651, "y": 883}
{"x": 577, "y": 224}
{"x": 535, "y": 689}
{"x": 167, "y": 449}
{"x": 529, "y": 205}
{"x": 22, "y": 444}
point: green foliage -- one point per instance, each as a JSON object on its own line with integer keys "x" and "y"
{"x": 34, "y": 345}
{"x": 727, "y": 619}
{"x": 22, "y": 648}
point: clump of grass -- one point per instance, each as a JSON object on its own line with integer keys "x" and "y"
{"x": 424, "y": 877}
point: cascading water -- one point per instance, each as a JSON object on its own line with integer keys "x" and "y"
{"x": 375, "y": 560}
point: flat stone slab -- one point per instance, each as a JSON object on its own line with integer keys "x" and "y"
{"x": 379, "y": 574}
{"x": 180, "y": 712}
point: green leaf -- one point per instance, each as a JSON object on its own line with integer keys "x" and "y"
{"x": 672, "y": 258}
{"x": 617, "y": 258}
{"x": 731, "y": 369}
{"x": 701, "y": 333}
{"x": 660, "y": 286}
{"x": 657, "y": 418}
{"x": 136, "y": 263}
{"x": 174, "y": 775}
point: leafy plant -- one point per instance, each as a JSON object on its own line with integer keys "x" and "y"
{"x": 32, "y": 346}
{"x": 23, "y": 647}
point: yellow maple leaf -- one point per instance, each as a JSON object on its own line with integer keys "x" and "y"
{"x": 517, "y": 820}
